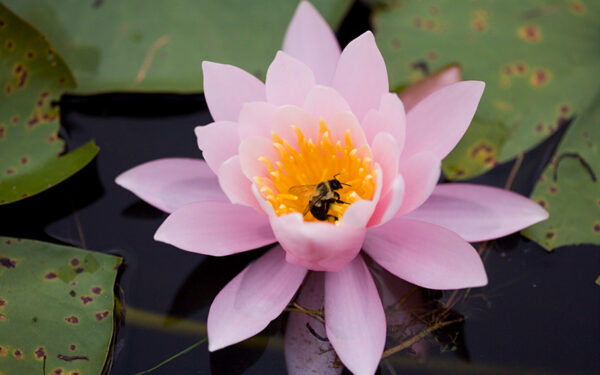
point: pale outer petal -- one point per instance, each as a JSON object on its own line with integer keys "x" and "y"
{"x": 389, "y": 118}
{"x": 421, "y": 173}
{"x": 255, "y": 120}
{"x": 425, "y": 254}
{"x": 227, "y": 88}
{"x": 168, "y": 184}
{"x": 343, "y": 122}
{"x": 418, "y": 91}
{"x": 325, "y": 102}
{"x": 389, "y": 204}
{"x": 355, "y": 319}
{"x": 305, "y": 353}
{"x": 287, "y": 116}
{"x": 387, "y": 154}
{"x": 339, "y": 123}
{"x": 437, "y": 123}
{"x": 236, "y": 185}
{"x": 215, "y": 228}
{"x": 361, "y": 75}
{"x": 249, "y": 302}
{"x": 478, "y": 213}
{"x": 288, "y": 80}
{"x": 218, "y": 141}
{"x": 251, "y": 149}
{"x": 310, "y": 39}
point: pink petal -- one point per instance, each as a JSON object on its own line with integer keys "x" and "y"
{"x": 421, "y": 173}
{"x": 418, "y": 91}
{"x": 437, "y": 123}
{"x": 425, "y": 254}
{"x": 390, "y": 118}
{"x": 310, "y": 39}
{"x": 355, "y": 320}
{"x": 386, "y": 154}
{"x": 344, "y": 122}
{"x": 251, "y": 149}
{"x": 168, "y": 184}
{"x": 218, "y": 141}
{"x": 227, "y": 88}
{"x": 290, "y": 115}
{"x": 255, "y": 120}
{"x": 305, "y": 353}
{"x": 325, "y": 102}
{"x": 250, "y": 301}
{"x": 318, "y": 246}
{"x": 478, "y": 213}
{"x": 361, "y": 76}
{"x": 236, "y": 185}
{"x": 215, "y": 228}
{"x": 288, "y": 80}
{"x": 389, "y": 205}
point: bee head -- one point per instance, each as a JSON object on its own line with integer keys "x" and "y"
{"x": 335, "y": 184}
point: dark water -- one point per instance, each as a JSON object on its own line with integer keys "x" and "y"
{"x": 539, "y": 313}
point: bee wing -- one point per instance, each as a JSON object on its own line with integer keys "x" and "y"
{"x": 305, "y": 191}
{"x": 302, "y": 191}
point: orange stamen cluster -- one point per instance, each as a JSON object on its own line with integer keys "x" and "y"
{"x": 312, "y": 162}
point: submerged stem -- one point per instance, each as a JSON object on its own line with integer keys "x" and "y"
{"x": 418, "y": 337}
{"x": 184, "y": 351}
{"x": 295, "y": 307}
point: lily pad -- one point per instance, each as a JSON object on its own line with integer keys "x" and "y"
{"x": 32, "y": 75}
{"x": 56, "y": 308}
{"x": 160, "y": 45}
{"x": 569, "y": 187}
{"x": 477, "y": 153}
{"x": 539, "y": 59}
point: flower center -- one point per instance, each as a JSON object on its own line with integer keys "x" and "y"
{"x": 319, "y": 178}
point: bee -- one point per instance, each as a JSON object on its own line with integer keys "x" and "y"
{"x": 322, "y": 195}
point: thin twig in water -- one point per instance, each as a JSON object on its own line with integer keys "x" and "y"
{"x": 418, "y": 337}
{"x": 514, "y": 171}
{"x": 295, "y": 307}
{"x": 184, "y": 351}
{"x": 406, "y": 297}
{"x": 314, "y": 333}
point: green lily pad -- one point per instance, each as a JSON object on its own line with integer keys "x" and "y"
{"x": 56, "y": 308}
{"x": 32, "y": 75}
{"x": 477, "y": 153}
{"x": 160, "y": 45}
{"x": 569, "y": 187}
{"x": 539, "y": 59}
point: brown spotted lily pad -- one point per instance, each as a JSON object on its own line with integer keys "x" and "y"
{"x": 539, "y": 59}
{"x": 569, "y": 187}
{"x": 32, "y": 75}
{"x": 56, "y": 308}
{"x": 159, "y": 45}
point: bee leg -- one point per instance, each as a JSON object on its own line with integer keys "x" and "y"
{"x": 337, "y": 198}
{"x": 331, "y": 218}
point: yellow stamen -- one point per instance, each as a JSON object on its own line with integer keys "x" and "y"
{"x": 310, "y": 162}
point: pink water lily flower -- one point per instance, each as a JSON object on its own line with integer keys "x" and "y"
{"x": 326, "y": 114}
